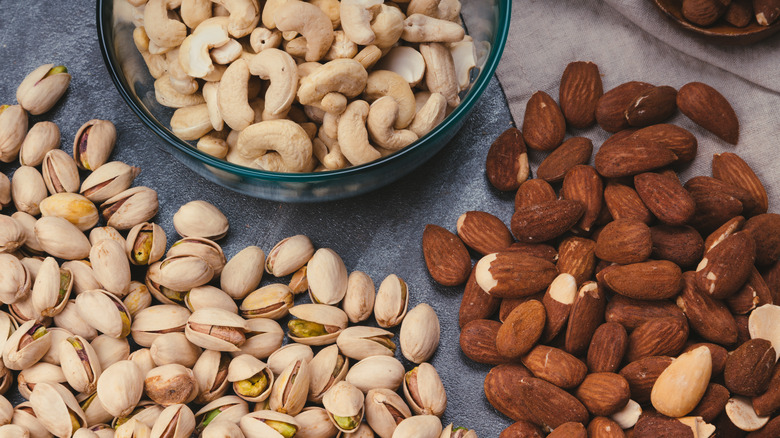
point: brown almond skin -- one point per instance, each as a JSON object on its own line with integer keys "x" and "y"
{"x": 611, "y": 107}
{"x": 540, "y": 250}
{"x": 607, "y": 348}
{"x": 478, "y": 342}
{"x": 569, "y": 430}
{"x": 749, "y": 368}
{"x": 770, "y": 430}
{"x": 447, "y": 259}
{"x": 483, "y": 232}
{"x": 678, "y": 140}
{"x": 754, "y": 293}
{"x": 652, "y": 106}
{"x": 546, "y": 221}
{"x": 703, "y": 12}
{"x": 732, "y": 226}
{"x": 587, "y": 314}
{"x": 631, "y": 313}
{"x": 534, "y": 192}
{"x": 718, "y": 354}
{"x": 503, "y": 392}
{"x": 582, "y": 183}
{"x": 681, "y": 245}
{"x": 660, "y": 337}
{"x": 522, "y": 429}
{"x": 743, "y": 333}
{"x": 708, "y": 184}
{"x": 665, "y": 198}
{"x": 557, "y": 315}
{"x": 624, "y": 241}
{"x": 629, "y": 156}
{"x": 521, "y": 329}
{"x": 727, "y": 266}
{"x": 577, "y": 256}
{"x": 765, "y": 229}
{"x": 574, "y": 151}
{"x": 551, "y": 406}
{"x": 579, "y": 93}
{"x": 624, "y": 203}
{"x": 555, "y": 366}
{"x": 603, "y": 427}
{"x": 767, "y": 11}
{"x": 709, "y": 109}
{"x": 650, "y": 280}
{"x": 509, "y": 304}
{"x": 515, "y": 274}
{"x": 709, "y": 318}
{"x": 603, "y": 394}
{"x": 769, "y": 402}
{"x": 642, "y": 374}
{"x": 543, "y": 124}
{"x": 655, "y": 425}
{"x": 506, "y": 165}
{"x": 730, "y": 168}
{"x": 739, "y": 13}
{"x": 772, "y": 278}
{"x": 476, "y": 303}
{"x": 712, "y": 403}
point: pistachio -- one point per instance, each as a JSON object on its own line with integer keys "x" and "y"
{"x": 42, "y": 88}
{"x": 146, "y": 412}
{"x": 288, "y": 395}
{"x": 211, "y": 370}
{"x": 282, "y": 358}
{"x": 171, "y": 384}
{"x": 263, "y": 337}
{"x": 110, "y": 350}
{"x": 328, "y": 367}
{"x": 12, "y": 234}
{"x": 344, "y": 404}
{"x": 105, "y": 312}
{"x": 23, "y": 311}
{"x": 242, "y": 274}
{"x": 174, "y": 348}
{"x": 327, "y": 277}
{"x": 289, "y": 255}
{"x": 252, "y": 380}
{"x": 457, "y": 432}
{"x": 57, "y": 334}
{"x": 420, "y": 334}
{"x": 203, "y": 297}
{"x": 419, "y": 426}
{"x": 28, "y": 190}
{"x": 313, "y": 422}
{"x": 133, "y": 428}
{"x": 376, "y": 372}
{"x": 130, "y": 208}
{"x": 35, "y": 374}
{"x": 385, "y": 410}
{"x": 142, "y": 358}
{"x": 24, "y": 416}
{"x": 163, "y": 294}
{"x": 52, "y": 288}
{"x": 85, "y": 433}
{"x": 137, "y": 298}
{"x": 181, "y": 273}
{"x": 93, "y": 409}
{"x": 69, "y": 317}
{"x": 83, "y": 275}
{"x": 316, "y": 324}
{"x": 106, "y": 233}
{"x": 7, "y": 327}
{"x": 15, "y": 279}
{"x": 94, "y": 143}
{"x": 358, "y": 302}
{"x": 228, "y": 409}
{"x": 111, "y": 267}
{"x": 60, "y": 172}
{"x": 216, "y": 329}
{"x": 145, "y": 243}
{"x": 26, "y": 346}
{"x": 80, "y": 363}
{"x": 76, "y": 209}
{"x": 108, "y": 180}
{"x": 13, "y": 128}
{"x": 102, "y": 430}
{"x": 424, "y": 391}
{"x": 392, "y": 301}
{"x": 14, "y": 430}
{"x": 200, "y": 219}
{"x": 360, "y": 342}
{"x": 5, "y": 191}
{"x": 33, "y": 264}
{"x": 272, "y": 301}
{"x": 156, "y": 320}
{"x": 206, "y": 249}
{"x": 57, "y": 409}
{"x": 175, "y": 421}
{"x": 120, "y": 387}
{"x": 222, "y": 429}
{"x": 268, "y": 424}
{"x": 299, "y": 283}
{"x": 42, "y": 138}
{"x": 61, "y": 239}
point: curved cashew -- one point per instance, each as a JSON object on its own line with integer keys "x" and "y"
{"x": 442, "y": 9}
{"x": 269, "y": 11}
{"x": 329, "y": 154}
{"x": 353, "y": 135}
{"x": 330, "y": 125}
{"x": 274, "y": 162}
{"x": 227, "y": 53}
{"x": 210, "y": 95}
{"x": 331, "y": 8}
{"x": 296, "y": 47}
{"x": 388, "y": 26}
{"x": 155, "y": 63}
{"x": 430, "y": 114}
{"x": 216, "y": 74}
{"x": 313, "y": 113}
{"x": 219, "y": 11}
{"x": 262, "y": 38}
{"x": 163, "y": 30}
{"x": 194, "y": 55}
{"x": 307, "y": 68}
{"x": 356, "y": 16}
{"x": 194, "y": 12}
{"x": 369, "y": 56}
{"x": 386, "y": 83}
{"x": 334, "y": 103}
{"x": 137, "y": 3}
{"x": 180, "y": 80}
{"x": 213, "y": 145}
{"x": 244, "y": 16}
{"x": 233, "y": 96}
{"x": 406, "y": 61}
{"x": 381, "y": 116}
{"x": 440, "y": 75}
{"x": 167, "y": 95}
{"x": 280, "y": 68}
{"x": 191, "y": 123}
{"x": 345, "y": 76}
{"x": 309, "y": 21}
{"x": 464, "y": 55}
{"x": 342, "y": 47}
{"x": 420, "y": 28}
{"x": 154, "y": 49}
{"x": 286, "y": 137}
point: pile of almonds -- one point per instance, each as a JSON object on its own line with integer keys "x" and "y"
{"x": 738, "y": 13}
{"x": 629, "y": 304}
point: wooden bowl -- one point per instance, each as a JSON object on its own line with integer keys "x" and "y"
{"x": 721, "y": 32}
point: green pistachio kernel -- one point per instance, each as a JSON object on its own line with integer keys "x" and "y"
{"x": 253, "y": 386}
{"x": 39, "y": 332}
{"x": 56, "y": 70}
{"x": 286, "y": 429}
{"x": 346, "y": 423}
{"x": 64, "y": 282}
{"x": 142, "y": 248}
{"x": 306, "y": 329}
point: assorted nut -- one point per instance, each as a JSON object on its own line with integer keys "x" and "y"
{"x": 737, "y": 13}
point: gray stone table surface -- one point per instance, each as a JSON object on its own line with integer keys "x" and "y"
{"x": 378, "y": 233}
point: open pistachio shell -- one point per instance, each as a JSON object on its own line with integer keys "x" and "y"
{"x": 328, "y": 367}
{"x": 42, "y": 88}
{"x": 111, "y": 266}
{"x": 61, "y": 175}
{"x": 137, "y": 298}
{"x": 243, "y": 272}
{"x": 290, "y": 389}
{"x": 299, "y": 283}
{"x": 174, "y": 348}
{"x": 263, "y": 337}
{"x": 358, "y": 302}
{"x": 52, "y": 288}
{"x": 272, "y": 301}
{"x": 83, "y": 275}
{"x": 313, "y": 422}
{"x": 27, "y": 222}
{"x": 163, "y": 294}
{"x": 145, "y": 412}
{"x": 419, "y": 426}
{"x": 316, "y": 324}
{"x": 181, "y": 273}
{"x": 110, "y": 350}
{"x": 57, "y": 334}
{"x": 145, "y": 244}
{"x": 105, "y": 233}
{"x": 15, "y": 279}
{"x": 175, "y": 421}
{"x": 41, "y": 138}
{"x": 94, "y": 143}
{"x": 12, "y": 234}
{"x": 344, "y": 404}
{"x": 289, "y": 255}
{"x": 268, "y": 424}
{"x": 105, "y": 312}
{"x": 120, "y": 387}
{"x": 70, "y": 318}
{"x": 133, "y": 428}
{"x": 24, "y": 416}
{"x": 40, "y": 372}
{"x": 203, "y": 297}
{"x": 200, "y": 219}
{"x": 360, "y": 342}
{"x": 57, "y": 409}
{"x": 153, "y": 321}
{"x": 211, "y": 371}
{"x": 108, "y": 180}
{"x": 283, "y": 357}
{"x": 457, "y": 432}
{"x": 424, "y": 391}
{"x": 26, "y": 345}
{"x": 384, "y": 410}
{"x": 130, "y": 208}
{"x": 392, "y": 301}
{"x": 376, "y": 372}
{"x": 420, "y": 332}
{"x": 79, "y": 363}
{"x": 228, "y": 409}
{"x": 13, "y": 128}
{"x": 94, "y": 411}
{"x": 216, "y": 329}
{"x": 8, "y": 326}
{"x": 327, "y": 277}
{"x": 206, "y": 249}
{"x": 252, "y": 380}
{"x": 102, "y": 430}
{"x": 171, "y": 384}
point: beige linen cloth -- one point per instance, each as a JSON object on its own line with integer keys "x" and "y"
{"x": 631, "y": 40}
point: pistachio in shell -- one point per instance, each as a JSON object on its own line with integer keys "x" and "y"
{"x": 60, "y": 238}
{"x": 5, "y": 191}
{"x": 145, "y": 244}
{"x": 268, "y": 424}
{"x": 181, "y": 273}
{"x": 313, "y": 422}
{"x": 419, "y": 426}
{"x": 358, "y": 302}
{"x": 327, "y": 277}
{"x": 120, "y": 387}
{"x": 424, "y": 391}
{"x": 420, "y": 332}
{"x": 28, "y": 189}
{"x": 263, "y": 337}
{"x": 392, "y": 301}
{"x": 108, "y": 180}
{"x": 227, "y": 409}
{"x": 252, "y": 380}
{"x": 42, "y": 88}
{"x": 282, "y": 358}
{"x": 328, "y": 367}
{"x": 344, "y": 404}
{"x": 15, "y": 279}
{"x": 12, "y": 234}
{"x": 7, "y": 327}
{"x": 93, "y": 409}
{"x": 273, "y": 301}
{"x": 60, "y": 172}
{"x": 106, "y": 233}
{"x": 110, "y": 350}
{"x": 142, "y": 358}
{"x": 94, "y": 143}
{"x": 79, "y": 363}
{"x": 384, "y": 410}
{"x": 290, "y": 389}
{"x": 14, "y": 430}
{"x": 133, "y": 428}
{"x": 52, "y": 288}
{"x": 111, "y": 266}
{"x": 57, "y": 334}
{"x": 216, "y": 329}
{"x": 360, "y": 342}
{"x": 203, "y": 297}
{"x": 130, "y": 207}
{"x": 13, "y": 128}
{"x": 206, "y": 249}
{"x": 316, "y": 324}
{"x": 105, "y": 312}
{"x": 174, "y": 348}
{"x": 72, "y": 207}
{"x": 69, "y": 317}
{"x": 43, "y": 137}
{"x": 376, "y": 372}
{"x": 171, "y": 384}
{"x": 83, "y": 276}
{"x": 57, "y": 409}
{"x": 200, "y": 219}
{"x": 243, "y": 273}
{"x": 24, "y": 416}
{"x": 35, "y": 374}
{"x": 222, "y": 429}
{"x": 211, "y": 370}
{"x": 156, "y": 320}
{"x": 137, "y": 298}
{"x": 452, "y": 431}
{"x": 289, "y": 255}
{"x": 26, "y": 345}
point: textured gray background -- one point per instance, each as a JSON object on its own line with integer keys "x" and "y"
{"x": 378, "y": 233}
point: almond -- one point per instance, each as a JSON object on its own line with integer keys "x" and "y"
{"x": 475, "y": 303}
{"x": 582, "y": 183}
{"x": 754, "y": 293}
{"x": 712, "y": 403}
{"x": 660, "y": 426}
{"x": 522, "y": 429}
{"x": 739, "y": 13}
{"x": 629, "y": 156}
{"x": 506, "y": 165}
{"x": 765, "y": 230}
{"x": 770, "y": 430}
{"x": 627, "y": 417}
{"x": 587, "y": 313}
{"x": 483, "y": 232}
{"x": 521, "y": 329}
{"x": 658, "y": 337}
{"x": 607, "y": 348}
{"x": 577, "y": 256}
{"x": 642, "y": 374}
{"x": 708, "y": 108}
{"x": 703, "y": 12}
{"x": 732, "y": 169}
{"x": 718, "y": 353}
{"x": 574, "y": 151}
{"x": 502, "y": 390}
{"x": 704, "y": 184}
{"x": 447, "y": 259}
{"x": 611, "y": 107}
{"x": 681, "y": 245}
{"x": 740, "y": 412}
{"x": 665, "y": 198}
{"x": 631, "y": 313}
{"x": 603, "y": 393}
{"x": 534, "y": 192}
{"x": 650, "y": 280}
{"x": 569, "y": 430}
{"x": 749, "y": 368}
{"x": 557, "y": 301}
{"x": 478, "y": 342}
{"x": 602, "y": 427}
{"x": 767, "y": 11}
{"x": 709, "y": 318}
{"x": 555, "y": 366}
{"x": 512, "y": 275}
{"x": 732, "y": 226}
{"x": 682, "y": 384}
{"x": 541, "y": 250}
{"x": 676, "y": 139}
{"x": 652, "y": 106}
{"x": 727, "y": 266}
{"x": 551, "y": 406}
{"x": 624, "y": 203}
{"x": 509, "y": 304}
{"x": 546, "y": 221}
{"x": 772, "y": 279}
{"x": 543, "y": 124}
{"x": 579, "y": 93}
{"x": 624, "y": 241}
{"x": 713, "y": 209}
{"x": 769, "y": 402}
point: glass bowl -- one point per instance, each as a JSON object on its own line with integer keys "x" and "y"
{"x": 487, "y": 22}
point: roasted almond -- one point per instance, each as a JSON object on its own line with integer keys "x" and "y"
{"x": 607, "y": 348}
{"x": 478, "y": 342}
{"x": 574, "y": 151}
{"x": 543, "y": 124}
{"x": 522, "y": 429}
{"x": 650, "y": 280}
{"x": 540, "y": 250}
{"x": 739, "y": 13}
{"x": 718, "y": 353}
{"x": 652, "y": 106}
{"x": 506, "y": 165}
{"x": 732, "y": 226}
{"x": 709, "y": 109}
{"x": 727, "y": 266}
{"x": 754, "y": 293}
{"x": 658, "y": 337}
{"x": 509, "y": 304}
{"x": 707, "y": 184}
{"x": 765, "y": 230}
{"x": 709, "y": 318}
{"x": 577, "y": 256}
{"x": 579, "y": 93}
{"x": 475, "y": 303}
{"x": 681, "y": 245}
{"x": 624, "y": 241}
{"x": 521, "y": 329}
{"x": 676, "y": 139}
{"x": 732, "y": 169}
{"x": 654, "y": 425}
{"x": 665, "y": 198}
{"x": 769, "y": 402}
{"x": 569, "y": 430}
{"x": 749, "y": 368}
{"x": 624, "y": 203}
{"x": 551, "y": 406}
{"x": 611, "y": 107}
{"x": 603, "y": 394}
{"x": 641, "y": 375}
{"x": 767, "y": 11}
{"x": 557, "y": 301}
{"x": 582, "y": 183}
{"x": 602, "y": 427}
{"x": 447, "y": 259}
{"x": 483, "y": 232}
{"x": 712, "y": 403}
{"x": 512, "y": 275}
{"x": 682, "y": 384}
{"x": 587, "y": 314}
{"x": 555, "y": 366}
{"x": 534, "y": 192}
{"x": 502, "y": 390}
{"x": 703, "y": 12}
{"x": 629, "y": 156}
{"x": 631, "y": 313}
{"x": 546, "y": 221}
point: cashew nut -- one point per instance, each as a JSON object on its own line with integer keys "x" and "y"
{"x": 155, "y": 63}
{"x": 216, "y": 74}
{"x": 154, "y": 49}
{"x": 286, "y": 137}
{"x": 280, "y": 68}
{"x": 210, "y": 95}
{"x": 296, "y": 47}
{"x": 330, "y": 124}
{"x": 194, "y": 51}
{"x": 442, "y": 9}
{"x": 227, "y": 53}
{"x": 440, "y": 72}
{"x": 331, "y": 8}
{"x": 309, "y": 21}
{"x": 368, "y": 56}
{"x": 233, "y": 96}
{"x": 342, "y": 47}
{"x": 163, "y": 30}
{"x": 344, "y": 76}
{"x": 213, "y": 145}
{"x": 388, "y": 26}
{"x": 334, "y": 103}
{"x": 180, "y": 80}
{"x": 137, "y": 3}
{"x": 381, "y": 116}
{"x": 430, "y": 114}
{"x": 464, "y": 55}
{"x": 306, "y": 68}
{"x": 192, "y": 122}
{"x": 406, "y": 61}
{"x": 356, "y": 16}
{"x": 244, "y": 16}
{"x": 258, "y": 106}
{"x": 387, "y": 83}
{"x": 167, "y": 95}
{"x": 194, "y": 12}
{"x": 353, "y": 135}
{"x": 269, "y": 12}
{"x": 420, "y": 28}
{"x": 262, "y": 38}
{"x": 329, "y": 153}
{"x": 219, "y": 11}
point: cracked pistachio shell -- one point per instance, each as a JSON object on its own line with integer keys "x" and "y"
{"x": 15, "y": 279}
{"x": 216, "y": 329}
{"x": 299, "y": 282}
{"x": 5, "y": 191}
{"x": 181, "y": 273}
{"x": 424, "y": 391}
{"x": 93, "y": 409}
{"x": 420, "y": 332}
{"x": 451, "y": 432}
{"x": 222, "y": 429}
{"x": 42, "y": 138}
{"x": 133, "y": 429}
{"x": 137, "y": 298}
{"x": 392, "y": 301}
{"x": 57, "y": 409}
{"x": 384, "y": 410}
{"x": 40, "y": 372}
{"x": 143, "y": 360}
{"x": 6, "y": 410}
{"x": 327, "y": 277}
{"x": 146, "y": 411}
{"x": 360, "y": 342}
{"x": 60, "y": 238}
{"x": 203, "y": 297}
{"x": 105, "y": 312}
{"x": 83, "y": 276}
{"x": 211, "y": 371}
{"x": 13, "y": 128}
{"x": 243, "y": 273}
{"x": 70, "y": 318}
{"x": 171, "y": 384}
{"x": 208, "y": 250}
{"x": 102, "y": 430}
{"x": 79, "y": 363}
{"x": 52, "y": 288}
{"x": 363, "y": 431}
{"x": 163, "y": 294}
{"x": 263, "y": 337}
{"x": 242, "y": 369}
{"x": 313, "y": 422}
{"x": 327, "y": 368}
{"x": 85, "y": 433}
{"x": 174, "y": 348}
{"x": 290, "y": 389}
{"x": 344, "y": 404}
{"x": 42, "y": 88}
{"x": 153, "y": 321}
{"x": 14, "y": 430}
{"x": 33, "y": 264}
{"x": 57, "y": 334}
{"x": 145, "y": 244}
{"x": 94, "y": 143}
{"x": 419, "y": 426}
{"x": 12, "y": 234}
{"x": 60, "y": 173}
{"x": 358, "y": 302}
{"x": 108, "y": 180}
{"x": 106, "y": 233}
{"x": 26, "y": 345}
{"x": 72, "y": 207}
{"x": 23, "y": 311}
{"x": 227, "y": 409}
{"x": 130, "y": 207}
{"x": 316, "y": 324}
{"x": 200, "y": 219}
{"x": 31, "y": 244}
{"x": 28, "y": 190}
{"x": 7, "y": 327}
{"x": 273, "y": 301}
{"x": 120, "y": 387}
{"x": 111, "y": 267}
{"x": 110, "y": 350}
{"x": 287, "y": 355}
{"x": 376, "y": 372}
{"x": 266, "y": 424}
{"x": 24, "y": 416}
{"x": 289, "y": 255}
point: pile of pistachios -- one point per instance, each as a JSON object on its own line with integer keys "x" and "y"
{"x": 111, "y": 334}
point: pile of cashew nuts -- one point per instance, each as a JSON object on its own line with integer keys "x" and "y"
{"x": 294, "y": 86}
